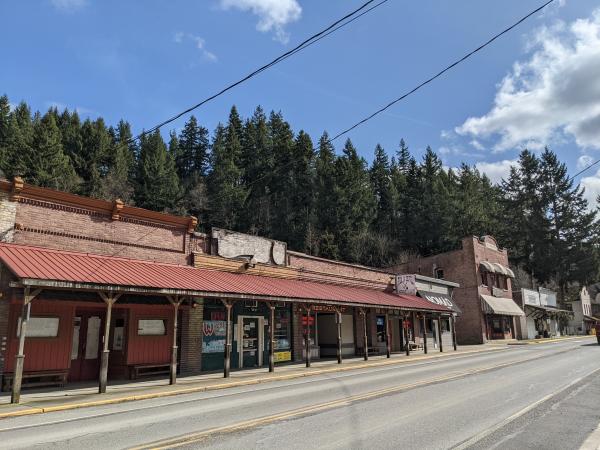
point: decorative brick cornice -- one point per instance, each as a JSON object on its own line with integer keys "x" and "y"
{"x": 23, "y": 228}
{"x": 117, "y": 207}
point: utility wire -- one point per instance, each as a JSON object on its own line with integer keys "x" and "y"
{"x": 304, "y": 44}
{"x": 424, "y": 83}
{"x": 441, "y": 72}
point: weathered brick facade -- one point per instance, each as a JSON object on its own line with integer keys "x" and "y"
{"x": 191, "y": 339}
{"x": 463, "y": 266}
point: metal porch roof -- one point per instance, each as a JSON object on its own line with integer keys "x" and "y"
{"x": 34, "y": 265}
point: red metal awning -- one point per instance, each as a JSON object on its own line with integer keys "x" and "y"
{"x": 62, "y": 269}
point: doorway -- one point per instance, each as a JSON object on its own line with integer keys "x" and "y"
{"x": 251, "y": 331}
{"x": 86, "y": 345}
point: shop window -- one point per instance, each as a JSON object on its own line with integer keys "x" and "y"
{"x": 152, "y": 327}
{"x": 380, "y": 322}
{"x": 282, "y": 330}
{"x": 484, "y": 278}
{"x": 439, "y": 273}
{"x": 40, "y": 327}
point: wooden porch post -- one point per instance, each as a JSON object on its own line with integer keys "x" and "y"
{"x": 307, "y": 337}
{"x": 388, "y": 340}
{"x": 440, "y": 332}
{"x": 110, "y": 300}
{"x": 363, "y": 311}
{"x": 424, "y": 323}
{"x": 28, "y": 297}
{"x": 175, "y": 301}
{"x": 453, "y": 329}
{"x": 272, "y": 337}
{"x": 338, "y": 315}
{"x": 227, "y": 363}
{"x": 406, "y": 338}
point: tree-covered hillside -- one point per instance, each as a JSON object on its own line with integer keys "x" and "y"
{"x": 257, "y": 175}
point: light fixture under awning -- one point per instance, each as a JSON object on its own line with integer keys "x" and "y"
{"x": 500, "y": 305}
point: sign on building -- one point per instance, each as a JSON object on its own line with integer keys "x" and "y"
{"x": 547, "y": 297}
{"x": 531, "y": 297}
{"x": 406, "y": 284}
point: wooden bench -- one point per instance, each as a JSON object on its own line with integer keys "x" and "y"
{"x": 37, "y": 379}
{"x": 148, "y": 370}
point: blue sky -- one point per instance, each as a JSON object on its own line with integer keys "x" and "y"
{"x": 144, "y": 61}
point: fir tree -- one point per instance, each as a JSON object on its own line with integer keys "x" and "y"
{"x": 385, "y": 193}
{"x": 157, "y": 185}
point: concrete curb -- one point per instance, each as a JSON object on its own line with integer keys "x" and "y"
{"x": 192, "y": 390}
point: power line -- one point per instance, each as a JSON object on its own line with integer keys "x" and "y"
{"x": 424, "y": 83}
{"x": 441, "y": 72}
{"x": 304, "y": 44}
{"x": 586, "y": 168}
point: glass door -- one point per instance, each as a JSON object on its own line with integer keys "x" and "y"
{"x": 250, "y": 342}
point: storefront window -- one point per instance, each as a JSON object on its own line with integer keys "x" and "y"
{"x": 381, "y": 331}
{"x": 282, "y": 329}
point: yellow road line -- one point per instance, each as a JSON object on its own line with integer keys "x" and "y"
{"x": 232, "y": 384}
{"x": 252, "y": 423}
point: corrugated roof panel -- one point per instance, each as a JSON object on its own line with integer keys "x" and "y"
{"x": 56, "y": 265}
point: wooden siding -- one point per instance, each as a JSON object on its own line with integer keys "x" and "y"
{"x": 149, "y": 349}
{"x": 42, "y": 353}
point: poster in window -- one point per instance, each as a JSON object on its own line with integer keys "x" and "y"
{"x": 214, "y": 334}
{"x": 92, "y": 339}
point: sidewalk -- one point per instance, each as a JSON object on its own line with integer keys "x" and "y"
{"x": 84, "y": 395}
{"x": 545, "y": 340}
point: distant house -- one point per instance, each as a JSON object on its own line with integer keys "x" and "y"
{"x": 583, "y": 319}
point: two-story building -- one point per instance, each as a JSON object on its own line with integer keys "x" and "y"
{"x": 484, "y": 297}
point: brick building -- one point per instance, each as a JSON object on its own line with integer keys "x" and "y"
{"x": 91, "y": 289}
{"x": 484, "y": 297}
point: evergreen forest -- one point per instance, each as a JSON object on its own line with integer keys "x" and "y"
{"x": 257, "y": 175}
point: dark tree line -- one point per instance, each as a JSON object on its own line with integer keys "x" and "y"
{"x": 257, "y": 175}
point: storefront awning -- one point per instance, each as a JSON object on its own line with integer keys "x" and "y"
{"x": 487, "y": 266}
{"x": 57, "y": 269}
{"x": 500, "y": 305}
{"x": 546, "y": 311}
{"x": 440, "y": 299}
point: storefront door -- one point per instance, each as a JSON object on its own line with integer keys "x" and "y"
{"x": 251, "y": 342}
{"x": 86, "y": 345}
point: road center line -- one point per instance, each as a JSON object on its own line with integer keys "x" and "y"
{"x": 480, "y": 436}
{"x": 252, "y": 423}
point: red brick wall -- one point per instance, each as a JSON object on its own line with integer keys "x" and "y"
{"x": 191, "y": 339}
{"x": 462, "y": 266}
{"x": 68, "y": 228}
{"x": 340, "y": 271}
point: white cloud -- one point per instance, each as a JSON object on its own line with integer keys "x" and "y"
{"x": 81, "y": 110}
{"x": 592, "y": 189}
{"x": 273, "y": 15}
{"x": 495, "y": 171}
{"x": 69, "y": 5}
{"x": 551, "y": 97}
{"x": 477, "y": 145}
{"x": 199, "y": 43}
{"x": 583, "y": 161}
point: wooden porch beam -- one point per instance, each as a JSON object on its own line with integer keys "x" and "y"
{"x": 176, "y": 301}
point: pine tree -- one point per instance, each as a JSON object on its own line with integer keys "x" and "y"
{"x": 47, "y": 164}
{"x": 355, "y": 203}
{"x": 19, "y": 142}
{"x": 192, "y": 153}
{"x": 386, "y": 197}
{"x": 157, "y": 185}
{"x": 257, "y": 174}
{"x": 571, "y": 232}
{"x": 226, "y": 194}
{"x": 92, "y": 163}
{"x": 4, "y": 130}
{"x": 326, "y": 193}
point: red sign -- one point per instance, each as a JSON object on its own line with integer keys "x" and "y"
{"x": 310, "y": 321}
{"x": 217, "y": 315}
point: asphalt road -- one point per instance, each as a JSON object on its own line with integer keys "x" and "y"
{"x": 538, "y": 396}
